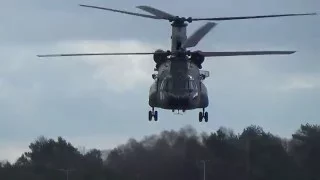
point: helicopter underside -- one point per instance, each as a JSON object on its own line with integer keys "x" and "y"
{"x": 160, "y": 100}
{"x": 182, "y": 104}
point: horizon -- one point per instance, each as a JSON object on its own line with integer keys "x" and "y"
{"x": 83, "y": 147}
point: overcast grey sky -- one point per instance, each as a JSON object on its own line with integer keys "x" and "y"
{"x": 85, "y": 99}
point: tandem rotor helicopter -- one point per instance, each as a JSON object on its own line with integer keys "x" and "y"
{"x": 178, "y": 81}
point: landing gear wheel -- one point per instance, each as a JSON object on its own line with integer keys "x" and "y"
{"x": 206, "y": 116}
{"x": 203, "y": 115}
{"x": 153, "y": 114}
{"x": 200, "y": 116}
{"x": 150, "y": 115}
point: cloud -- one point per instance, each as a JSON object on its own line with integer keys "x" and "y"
{"x": 50, "y": 91}
{"x": 302, "y": 82}
{"x": 12, "y": 151}
{"x": 120, "y": 73}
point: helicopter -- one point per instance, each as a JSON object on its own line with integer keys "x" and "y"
{"x": 179, "y": 78}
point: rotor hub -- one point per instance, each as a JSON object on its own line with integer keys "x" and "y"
{"x": 181, "y": 52}
{"x": 180, "y": 20}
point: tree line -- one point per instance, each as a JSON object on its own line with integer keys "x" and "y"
{"x": 177, "y": 155}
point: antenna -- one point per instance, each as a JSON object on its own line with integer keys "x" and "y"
{"x": 204, "y": 168}
{"x": 66, "y": 171}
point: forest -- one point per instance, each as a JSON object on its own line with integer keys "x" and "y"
{"x": 183, "y": 154}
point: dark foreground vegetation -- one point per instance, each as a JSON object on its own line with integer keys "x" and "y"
{"x": 176, "y": 155}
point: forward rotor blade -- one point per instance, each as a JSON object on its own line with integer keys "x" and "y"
{"x": 96, "y": 54}
{"x": 121, "y": 11}
{"x": 194, "y": 39}
{"x": 251, "y": 17}
{"x": 156, "y": 12}
{"x": 245, "y": 53}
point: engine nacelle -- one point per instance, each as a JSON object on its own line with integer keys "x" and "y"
{"x": 159, "y": 57}
{"x": 197, "y": 59}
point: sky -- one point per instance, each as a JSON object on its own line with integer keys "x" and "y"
{"x": 101, "y": 102}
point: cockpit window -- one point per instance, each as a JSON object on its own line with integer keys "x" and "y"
{"x": 187, "y": 85}
{"x": 166, "y": 84}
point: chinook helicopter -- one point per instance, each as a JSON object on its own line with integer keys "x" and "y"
{"x": 178, "y": 81}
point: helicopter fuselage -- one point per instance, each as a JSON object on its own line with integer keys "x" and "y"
{"x": 178, "y": 86}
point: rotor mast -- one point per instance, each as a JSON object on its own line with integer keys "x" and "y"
{"x": 178, "y": 34}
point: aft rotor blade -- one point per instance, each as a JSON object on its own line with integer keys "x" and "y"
{"x": 121, "y": 11}
{"x": 251, "y": 17}
{"x": 194, "y": 39}
{"x": 96, "y": 54}
{"x": 245, "y": 53}
{"x": 156, "y": 12}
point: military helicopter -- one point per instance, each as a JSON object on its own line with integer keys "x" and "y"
{"x": 178, "y": 81}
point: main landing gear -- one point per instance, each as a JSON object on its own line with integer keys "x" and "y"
{"x": 153, "y": 114}
{"x": 203, "y": 115}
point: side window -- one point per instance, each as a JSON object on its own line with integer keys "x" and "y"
{"x": 190, "y": 85}
{"x": 194, "y": 85}
{"x": 187, "y": 85}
